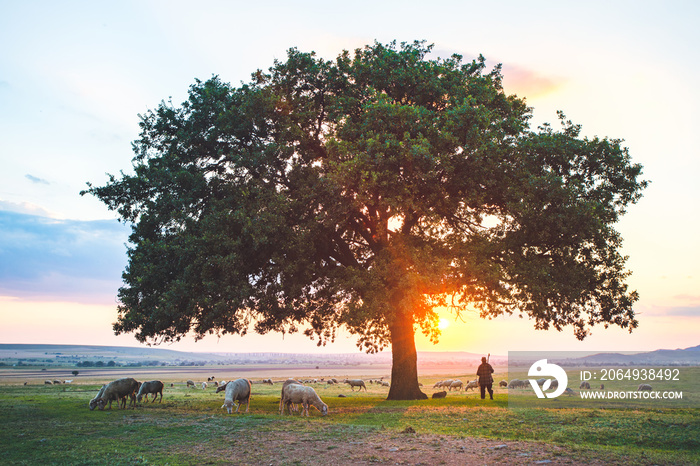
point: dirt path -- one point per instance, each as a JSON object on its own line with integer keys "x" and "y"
{"x": 406, "y": 448}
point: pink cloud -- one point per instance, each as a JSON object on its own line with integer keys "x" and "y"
{"x": 528, "y": 83}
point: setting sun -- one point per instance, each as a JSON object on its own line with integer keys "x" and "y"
{"x": 443, "y": 323}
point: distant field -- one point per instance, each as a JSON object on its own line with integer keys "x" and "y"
{"x": 52, "y": 424}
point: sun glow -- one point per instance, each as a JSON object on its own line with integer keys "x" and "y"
{"x": 443, "y": 323}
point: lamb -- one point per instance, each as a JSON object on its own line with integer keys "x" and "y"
{"x": 644, "y": 387}
{"x": 585, "y": 385}
{"x": 456, "y": 384}
{"x": 356, "y": 383}
{"x": 307, "y": 396}
{"x": 204, "y": 385}
{"x": 237, "y": 391}
{"x": 118, "y": 391}
{"x": 93, "y": 402}
{"x": 154, "y": 386}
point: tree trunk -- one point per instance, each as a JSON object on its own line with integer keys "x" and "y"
{"x": 404, "y": 367}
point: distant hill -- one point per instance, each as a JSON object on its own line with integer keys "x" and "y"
{"x": 686, "y": 356}
{"x": 72, "y": 354}
{"x": 689, "y": 356}
{"x": 31, "y": 354}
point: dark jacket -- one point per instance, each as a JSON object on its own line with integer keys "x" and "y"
{"x": 484, "y": 372}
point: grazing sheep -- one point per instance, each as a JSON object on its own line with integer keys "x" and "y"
{"x": 472, "y": 384}
{"x": 221, "y": 387}
{"x": 118, "y": 391}
{"x": 456, "y": 385}
{"x": 154, "y": 386}
{"x": 57, "y": 382}
{"x": 442, "y": 394}
{"x": 386, "y": 384}
{"x": 237, "y": 391}
{"x": 503, "y": 383}
{"x": 307, "y": 396}
{"x": 93, "y": 402}
{"x": 268, "y": 381}
{"x": 355, "y": 383}
{"x": 287, "y": 383}
{"x": 190, "y": 383}
{"x": 644, "y": 387}
{"x": 585, "y": 385}
{"x": 569, "y": 391}
{"x": 517, "y": 383}
{"x": 446, "y": 383}
{"x": 334, "y": 380}
{"x": 602, "y": 387}
{"x": 48, "y": 382}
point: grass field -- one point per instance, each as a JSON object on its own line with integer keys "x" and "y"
{"x": 51, "y": 424}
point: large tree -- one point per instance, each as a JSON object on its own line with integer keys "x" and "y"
{"x": 362, "y": 193}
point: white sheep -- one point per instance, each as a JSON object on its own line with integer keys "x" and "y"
{"x": 204, "y": 385}
{"x": 237, "y": 391}
{"x": 285, "y": 384}
{"x": 154, "y": 386}
{"x": 456, "y": 384}
{"x": 472, "y": 384}
{"x": 307, "y": 396}
{"x": 355, "y": 383}
{"x": 93, "y": 402}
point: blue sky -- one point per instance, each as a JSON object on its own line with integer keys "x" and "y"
{"x": 74, "y": 75}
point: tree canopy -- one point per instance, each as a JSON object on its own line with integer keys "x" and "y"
{"x": 363, "y": 192}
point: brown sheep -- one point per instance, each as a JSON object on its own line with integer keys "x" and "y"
{"x": 154, "y": 386}
{"x": 118, "y": 391}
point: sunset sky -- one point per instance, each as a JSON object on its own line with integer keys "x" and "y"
{"x": 74, "y": 75}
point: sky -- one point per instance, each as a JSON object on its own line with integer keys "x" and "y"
{"x": 75, "y": 75}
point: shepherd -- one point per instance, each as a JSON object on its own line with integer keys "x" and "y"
{"x": 485, "y": 379}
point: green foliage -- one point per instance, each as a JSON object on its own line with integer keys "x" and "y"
{"x": 363, "y": 192}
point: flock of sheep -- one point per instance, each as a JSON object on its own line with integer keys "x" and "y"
{"x": 294, "y": 393}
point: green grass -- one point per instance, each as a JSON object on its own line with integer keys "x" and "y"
{"x": 53, "y": 425}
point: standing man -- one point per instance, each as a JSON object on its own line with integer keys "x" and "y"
{"x": 485, "y": 380}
